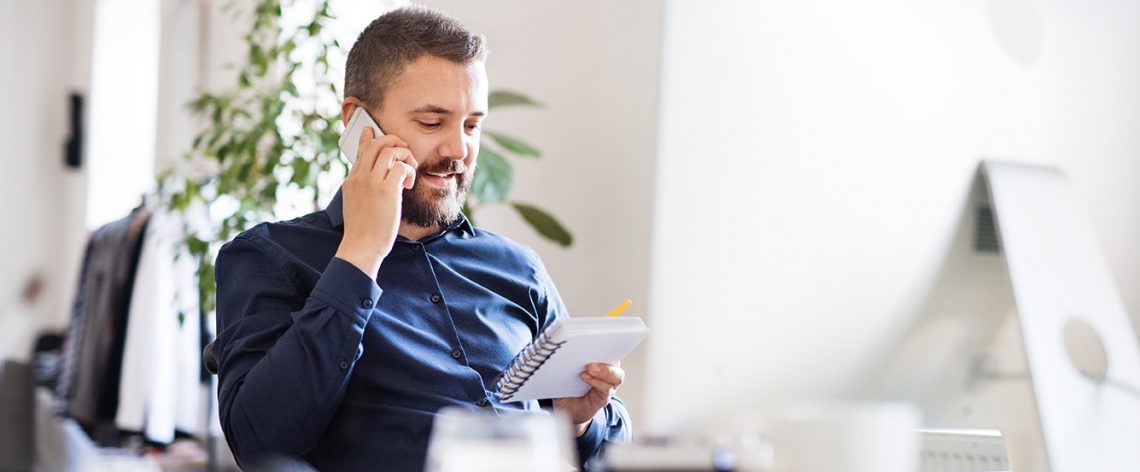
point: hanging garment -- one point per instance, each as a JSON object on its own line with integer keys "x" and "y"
{"x": 160, "y": 386}
{"x": 94, "y": 346}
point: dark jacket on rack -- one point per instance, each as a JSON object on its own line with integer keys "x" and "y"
{"x": 89, "y": 381}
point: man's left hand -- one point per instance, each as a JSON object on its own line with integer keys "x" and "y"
{"x": 604, "y": 380}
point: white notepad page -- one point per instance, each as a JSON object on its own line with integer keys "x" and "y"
{"x": 583, "y": 341}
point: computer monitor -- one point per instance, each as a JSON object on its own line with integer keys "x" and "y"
{"x": 1022, "y": 331}
{"x": 1025, "y": 331}
{"x": 814, "y": 163}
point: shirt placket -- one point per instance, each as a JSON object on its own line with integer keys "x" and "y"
{"x": 473, "y": 383}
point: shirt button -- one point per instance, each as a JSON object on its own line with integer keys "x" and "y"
{"x": 366, "y": 303}
{"x": 415, "y": 248}
{"x": 481, "y": 402}
{"x": 343, "y": 364}
{"x": 436, "y": 298}
{"x": 456, "y": 353}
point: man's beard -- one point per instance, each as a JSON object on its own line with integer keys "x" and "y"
{"x": 427, "y": 206}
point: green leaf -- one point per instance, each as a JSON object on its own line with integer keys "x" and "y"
{"x": 505, "y": 98}
{"x": 199, "y": 104}
{"x": 301, "y": 170}
{"x": 493, "y": 177}
{"x": 196, "y": 246}
{"x": 544, "y": 223}
{"x": 514, "y": 145}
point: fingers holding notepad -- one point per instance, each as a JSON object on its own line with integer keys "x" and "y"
{"x": 603, "y": 380}
{"x": 603, "y": 376}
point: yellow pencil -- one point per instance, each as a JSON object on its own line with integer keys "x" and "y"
{"x": 620, "y": 308}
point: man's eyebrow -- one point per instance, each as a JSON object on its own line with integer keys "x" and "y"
{"x": 432, "y": 109}
{"x": 441, "y": 110}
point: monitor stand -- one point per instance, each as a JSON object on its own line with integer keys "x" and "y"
{"x": 1080, "y": 347}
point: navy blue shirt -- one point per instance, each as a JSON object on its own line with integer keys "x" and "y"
{"x": 318, "y": 362}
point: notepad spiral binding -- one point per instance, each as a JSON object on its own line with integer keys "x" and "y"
{"x": 526, "y": 363}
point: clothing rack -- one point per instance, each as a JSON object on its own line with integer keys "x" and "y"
{"x": 106, "y": 318}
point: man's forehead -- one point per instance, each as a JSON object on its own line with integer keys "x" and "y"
{"x": 434, "y": 85}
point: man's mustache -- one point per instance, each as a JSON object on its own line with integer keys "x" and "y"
{"x": 445, "y": 166}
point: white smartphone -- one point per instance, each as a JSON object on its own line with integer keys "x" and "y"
{"x": 350, "y": 140}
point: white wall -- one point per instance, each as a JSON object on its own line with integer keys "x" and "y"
{"x": 43, "y": 230}
{"x": 814, "y": 157}
{"x": 180, "y": 76}
{"x": 594, "y": 64}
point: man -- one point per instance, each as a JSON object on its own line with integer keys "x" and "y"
{"x": 316, "y": 364}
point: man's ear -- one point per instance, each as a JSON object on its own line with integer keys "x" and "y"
{"x": 347, "y": 108}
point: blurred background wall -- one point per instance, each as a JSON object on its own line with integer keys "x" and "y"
{"x": 44, "y": 47}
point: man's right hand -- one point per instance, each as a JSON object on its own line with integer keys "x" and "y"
{"x": 373, "y": 196}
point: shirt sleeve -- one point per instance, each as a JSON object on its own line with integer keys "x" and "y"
{"x": 284, "y": 357}
{"x": 611, "y": 423}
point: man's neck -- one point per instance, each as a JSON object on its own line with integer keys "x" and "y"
{"x": 415, "y": 233}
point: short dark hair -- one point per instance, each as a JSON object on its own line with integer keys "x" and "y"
{"x": 401, "y": 36}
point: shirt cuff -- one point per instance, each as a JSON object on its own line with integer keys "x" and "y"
{"x": 347, "y": 289}
{"x": 590, "y": 442}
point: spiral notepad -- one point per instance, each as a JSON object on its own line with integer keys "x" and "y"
{"x": 549, "y": 366}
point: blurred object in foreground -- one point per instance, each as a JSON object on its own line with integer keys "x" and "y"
{"x": 857, "y": 437}
{"x": 479, "y": 441}
{"x": 745, "y": 453}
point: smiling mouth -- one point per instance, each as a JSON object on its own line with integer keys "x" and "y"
{"x": 438, "y": 180}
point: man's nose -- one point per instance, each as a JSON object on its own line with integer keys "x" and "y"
{"x": 454, "y": 145}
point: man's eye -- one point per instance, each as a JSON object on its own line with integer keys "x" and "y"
{"x": 429, "y": 125}
{"x": 472, "y": 127}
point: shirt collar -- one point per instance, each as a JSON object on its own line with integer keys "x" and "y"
{"x": 335, "y": 212}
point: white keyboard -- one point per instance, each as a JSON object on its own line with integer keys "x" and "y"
{"x": 963, "y": 450}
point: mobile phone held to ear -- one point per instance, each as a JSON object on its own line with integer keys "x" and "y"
{"x": 350, "y": 140}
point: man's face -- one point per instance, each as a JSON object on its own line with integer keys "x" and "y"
{"x": 437, "y": 107}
